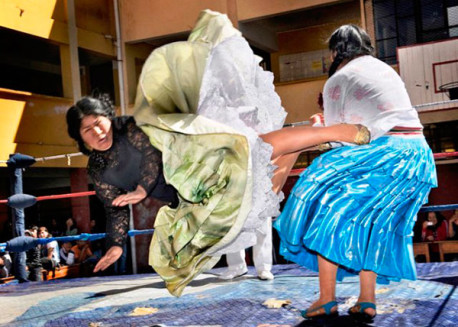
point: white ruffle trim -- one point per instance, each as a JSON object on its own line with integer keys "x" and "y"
{"x": 237, "y": 92}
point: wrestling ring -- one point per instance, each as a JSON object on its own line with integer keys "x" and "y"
{"x": 142, "y": 300}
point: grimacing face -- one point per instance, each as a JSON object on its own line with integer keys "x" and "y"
{"x": 96, "y": 132}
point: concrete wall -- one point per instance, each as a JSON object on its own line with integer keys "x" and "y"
{"x": 35, "y": 125}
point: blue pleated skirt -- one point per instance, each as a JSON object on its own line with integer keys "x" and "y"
{"x": 356, "y": 206}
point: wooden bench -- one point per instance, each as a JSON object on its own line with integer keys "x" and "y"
{"x": 62, "y": 272}
{"x": 447, "y": 247}
{"x": 422, "y": 249}
{"x": 5, "y": 280}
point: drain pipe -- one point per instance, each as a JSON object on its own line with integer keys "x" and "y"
{"x": 119, "y": 58}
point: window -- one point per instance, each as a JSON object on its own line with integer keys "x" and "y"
{"x": 404, "y": 22}
{"x": 29, "y": 63}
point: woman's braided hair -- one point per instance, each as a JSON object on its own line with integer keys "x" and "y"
{"x": 348, "y": 42}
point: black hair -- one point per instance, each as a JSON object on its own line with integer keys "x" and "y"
{"x": 439, "y": 217}
{"x": 98, "y": 105}
{"x": 348, "y": 41}
{"x": 73, "y": 222}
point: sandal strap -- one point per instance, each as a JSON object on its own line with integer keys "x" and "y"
{"x": 366, "y": 305}
{"x": 327, "y": 308}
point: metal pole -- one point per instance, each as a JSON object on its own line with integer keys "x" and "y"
{"x": 73, "y": 46}
{"x": 119, "y": 58}
{"x": 132, "y": 240}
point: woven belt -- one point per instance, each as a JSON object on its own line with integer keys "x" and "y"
{"x": 398, "y": 130}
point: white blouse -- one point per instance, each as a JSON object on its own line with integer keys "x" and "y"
{"x": 369, "y": 92}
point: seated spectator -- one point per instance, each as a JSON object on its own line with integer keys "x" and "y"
{"x": 56, "y": 229}
{"x": 33, "y": 261}
{"x": 82, "y": 252}
{"x": 434, "y": 227}
{"x": 67, "y": 257}
{"x": 85, "y": 257}
{"x": 49, "y": 251}
{"x": 72, "y": 229}
{"x": 453, "y": 226}
{"x": 5, "y": 264}
{"x": 97, "y": 246}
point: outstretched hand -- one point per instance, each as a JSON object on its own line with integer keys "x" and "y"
{"x": 109, "y": 258}
{"x": 130, "y": 198}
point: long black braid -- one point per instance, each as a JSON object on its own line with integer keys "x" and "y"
{"x": 348, "y": 42}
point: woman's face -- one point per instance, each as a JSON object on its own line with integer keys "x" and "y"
{"x": 42, "y": 233}
{"x": 432, "y": 217}
{"x": 96, "y": 132}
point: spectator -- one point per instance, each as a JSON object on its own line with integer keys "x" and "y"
{"x": 56, "y": 228}
{"x": 72, "y": 229}
{"x": 453, "y": 226}
{"x": 67, "y": 257}
{"x": 33, "y": 261}
{"x": 49, "y": 251}
{"x": 97, "y": 245}
{"x": 434, "y": 227}
{"x": 5, "y": 264}
{"x": 85, "y": 257}
{"x": 82, "y": 252}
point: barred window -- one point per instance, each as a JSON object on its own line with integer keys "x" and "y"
{"x": 405, "y": 22}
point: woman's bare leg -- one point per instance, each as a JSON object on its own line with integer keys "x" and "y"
{"x": 367, "y": 280}
{"x": 294, "y": 139}
{"x": 327, "y": 275}
{"x": 285, "y": 163}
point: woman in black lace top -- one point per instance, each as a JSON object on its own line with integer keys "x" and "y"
{"x": 210, "y": 172}
{"x": 124, "y": 166}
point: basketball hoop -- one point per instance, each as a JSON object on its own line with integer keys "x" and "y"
{"x": 451, "y": 88}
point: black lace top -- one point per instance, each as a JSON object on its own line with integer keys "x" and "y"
{"x": 131, "y": 161}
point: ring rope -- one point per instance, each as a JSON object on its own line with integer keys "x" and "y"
{"x": 27, "y": 242}
{"x": 443, "y": 207}
{"x": 67, "y": 156}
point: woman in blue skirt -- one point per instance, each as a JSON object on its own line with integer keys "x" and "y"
{"x": 352, "y": 211}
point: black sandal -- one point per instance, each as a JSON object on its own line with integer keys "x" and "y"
{"x": 360, "y": 314}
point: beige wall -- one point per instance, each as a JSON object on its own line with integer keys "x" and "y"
{"x": 250, "y": 9}
{"x": 146, "y": 19}
{"x": 300, "y": 99}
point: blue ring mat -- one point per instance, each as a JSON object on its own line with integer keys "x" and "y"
{"x": 432, "y": 300}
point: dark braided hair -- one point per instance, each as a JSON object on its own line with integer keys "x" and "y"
{"x": 348, "y": 41}
{"x": 97, "y": 105}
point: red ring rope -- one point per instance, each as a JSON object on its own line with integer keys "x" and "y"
{"x": 59, "y": 196}
{"x": 294, "y": 172}
{"x": 64, "y": 196}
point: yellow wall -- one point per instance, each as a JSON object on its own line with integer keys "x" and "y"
{"x": 35, "y": 125}
{"x": 47, "y": 19}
